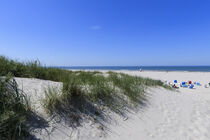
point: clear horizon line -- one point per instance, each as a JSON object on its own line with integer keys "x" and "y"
{"x": 138, "y": 66}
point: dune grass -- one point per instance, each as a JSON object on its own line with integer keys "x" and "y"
{"x": 13, "y": 111}
{"x": 83, "y": 93}
{"x": 32, "y": 69}
{"x": 87, "y": 93}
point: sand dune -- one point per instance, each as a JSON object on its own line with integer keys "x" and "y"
{"x": 169, "y": 115}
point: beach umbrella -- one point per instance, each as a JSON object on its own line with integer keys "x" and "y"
{"x": 175, "y": 81}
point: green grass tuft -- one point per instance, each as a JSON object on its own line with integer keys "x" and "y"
{"x": 13, "y": 111}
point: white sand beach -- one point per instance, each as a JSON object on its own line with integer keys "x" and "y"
{"x": 183, "y": 114}
{"x": 105, "y": 70}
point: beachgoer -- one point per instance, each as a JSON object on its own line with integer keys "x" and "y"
{"x": 174, "y": 86}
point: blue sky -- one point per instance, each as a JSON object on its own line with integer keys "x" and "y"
{"x": 106, "y": 32}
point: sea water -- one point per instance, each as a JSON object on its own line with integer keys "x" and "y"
{"x": 147, "y": 68}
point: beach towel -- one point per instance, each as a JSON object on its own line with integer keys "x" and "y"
{"x": 184, "y": 86}
{"x": 198, "y": 83}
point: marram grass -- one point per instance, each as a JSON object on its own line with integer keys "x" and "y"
{"x": 83, "y": 94}
{"x": 13, "y": 111}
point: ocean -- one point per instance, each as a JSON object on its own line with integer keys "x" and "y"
{"x": 147, "y": 68}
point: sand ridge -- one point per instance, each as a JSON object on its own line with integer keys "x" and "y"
{"x": 168, "y": 115}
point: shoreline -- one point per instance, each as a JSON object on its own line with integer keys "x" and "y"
{"x": 138, "y": 70}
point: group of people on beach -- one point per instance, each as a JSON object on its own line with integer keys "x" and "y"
{"x": 188, "y": 84}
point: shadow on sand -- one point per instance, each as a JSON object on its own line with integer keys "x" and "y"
{"x": 79, "y": 108}
{"x": 36, "y": 123}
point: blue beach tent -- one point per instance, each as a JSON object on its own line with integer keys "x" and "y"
{"x": 198, "y": 83}
{"x": 183, "y": 83}
{"x": 191, "y": 86}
